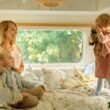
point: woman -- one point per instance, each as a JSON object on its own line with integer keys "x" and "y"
{"x": 8, "y": 31}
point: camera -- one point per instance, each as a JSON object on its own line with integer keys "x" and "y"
{"x": 93, "y": 37}
{"x": 93, "y": 31}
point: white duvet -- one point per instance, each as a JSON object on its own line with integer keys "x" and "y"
{"x": 75, "y": 96}
{"x": 70, "y": 100}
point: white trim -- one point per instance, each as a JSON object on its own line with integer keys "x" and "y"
{"x": 33, "y": 16}
{"x": 87, "y": 58}
{"x": 54, "y": 13}
{"x": 51, "y": 12}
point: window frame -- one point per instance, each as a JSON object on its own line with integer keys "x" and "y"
{"x": 80, "y": 27}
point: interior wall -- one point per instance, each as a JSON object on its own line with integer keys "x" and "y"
{"x": 102, "y": 4}
{"x": 88, "y": 54}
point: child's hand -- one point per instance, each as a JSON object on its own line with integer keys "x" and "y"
{"x": 98, "y": 29}
{"x": 25, "y": 94}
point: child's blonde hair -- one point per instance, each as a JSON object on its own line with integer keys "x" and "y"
{"x": 103, "y": 19}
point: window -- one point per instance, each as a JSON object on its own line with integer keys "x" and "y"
{"x": 50, "y": 45}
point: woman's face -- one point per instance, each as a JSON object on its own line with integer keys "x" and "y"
{"x": 11, "y": 31}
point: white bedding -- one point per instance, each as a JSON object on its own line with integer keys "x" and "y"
{"x": 70, "y": 100}
{"x": 75, "y": 94}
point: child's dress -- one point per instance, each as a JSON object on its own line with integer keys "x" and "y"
{"x": 102, "y": 55}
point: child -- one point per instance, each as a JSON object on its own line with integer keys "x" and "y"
{"x": 100, "y": 37}
{"x": 12, "y": 80}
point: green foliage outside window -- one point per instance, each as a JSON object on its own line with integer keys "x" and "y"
{"x": 50, "y": 45}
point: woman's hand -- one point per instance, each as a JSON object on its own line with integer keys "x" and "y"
{"x": 21, "y": 68}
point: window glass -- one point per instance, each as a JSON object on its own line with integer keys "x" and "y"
{"x": 50, "y": 45}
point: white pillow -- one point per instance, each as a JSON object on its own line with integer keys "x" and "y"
{"x": 31, "y": 78}
{"x": 74, "y": 79}
{"x": 90, "y": 69}
{"x": 53, "y": 78}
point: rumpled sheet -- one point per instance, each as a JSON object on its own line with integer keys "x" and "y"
{"x": 76, "y": 94}
{"x": 78, "y": 81}
{"x": 70, "y": 100}
{"x": 4, "y": 106}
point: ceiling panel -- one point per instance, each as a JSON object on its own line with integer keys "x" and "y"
{"x": 72, "y": 11}
{"x": 68, "y": 5}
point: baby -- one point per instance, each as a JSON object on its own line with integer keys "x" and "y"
{"x": 11, "y": 79}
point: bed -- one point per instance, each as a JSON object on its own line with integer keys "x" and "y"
{"x": 70, "y": 91}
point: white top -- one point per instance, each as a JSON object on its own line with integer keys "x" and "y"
{"x": 17, "y": 56}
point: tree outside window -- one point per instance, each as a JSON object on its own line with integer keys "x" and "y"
{"x": 50, "y": 45}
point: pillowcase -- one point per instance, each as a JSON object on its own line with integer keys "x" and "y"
{"x": 90, "y": 70}
{"x": 75, "y": 79}
{"x": 53, "y": 78}
{"x": 32, "y": 71}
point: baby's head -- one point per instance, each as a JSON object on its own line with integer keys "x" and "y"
{"x": 6, "y": 59}
{"x": 10, "y": 45}
{"x": 103, "y": 20}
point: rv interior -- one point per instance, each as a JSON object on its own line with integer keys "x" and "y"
{"x": 70, "y": 82}
{"x": 71, "y": 11}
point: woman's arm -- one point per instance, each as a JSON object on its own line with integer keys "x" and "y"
{"x": 19, "y": 65}
{"x": 21, "y": 68}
